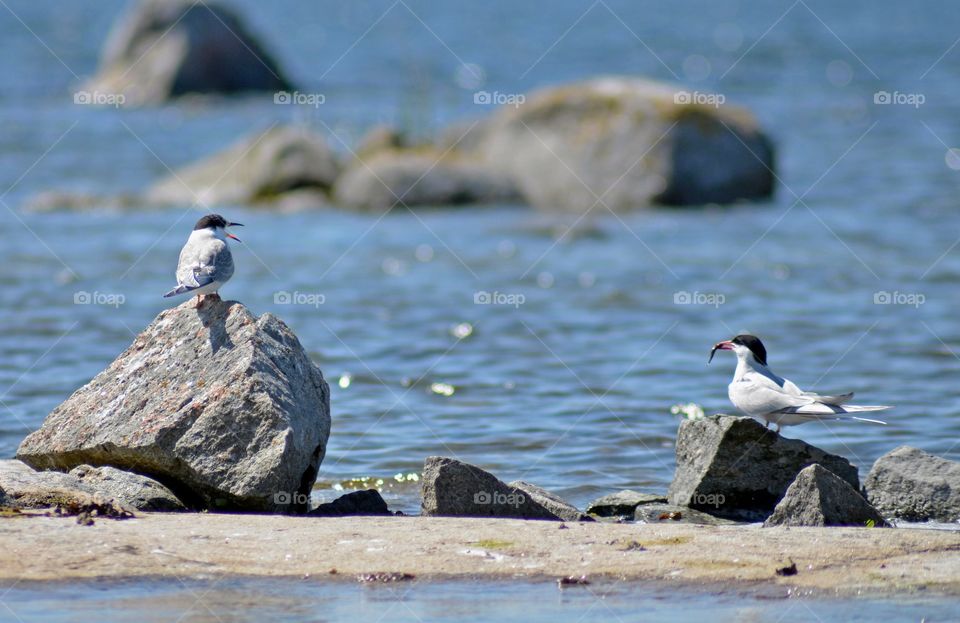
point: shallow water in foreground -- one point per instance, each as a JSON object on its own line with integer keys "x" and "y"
{"x": 235, "y": 600}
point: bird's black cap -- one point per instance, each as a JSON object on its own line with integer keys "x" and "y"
{"x": 213, "y": 220}
{"x": 754, "y": 344}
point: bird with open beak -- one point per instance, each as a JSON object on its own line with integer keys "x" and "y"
{"x": 759, "y": 393}
{"x": 205, "y": 260}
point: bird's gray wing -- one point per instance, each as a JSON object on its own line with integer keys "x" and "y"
{"x": 203, "y": 264}
{"x": 834, "y": 399}
{"x": 758, "y": 394}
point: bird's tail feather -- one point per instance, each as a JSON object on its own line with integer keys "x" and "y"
{"x": 835, "y": 399}
{"x": 180, "y": 289}
{"x": 862, "y": 408}
{"x": 863, "y": 419}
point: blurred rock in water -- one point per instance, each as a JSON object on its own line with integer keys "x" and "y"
{"x": 628, "y": 143}
{"x": 421, "y": 177}
{"x": 162, "y": 49}
{"x": 259, "y": 167}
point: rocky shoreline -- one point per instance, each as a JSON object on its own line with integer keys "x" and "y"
{"x": 214, "y": 409}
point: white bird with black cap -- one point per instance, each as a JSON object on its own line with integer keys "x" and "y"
{"x": 761, "y": 394}
{"x": 205, "y": 260}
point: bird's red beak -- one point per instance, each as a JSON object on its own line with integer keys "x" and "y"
{"x": 229, "y": 235}
{"x": 725, "y": 345}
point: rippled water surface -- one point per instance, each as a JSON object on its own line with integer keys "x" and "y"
{"x": 236, "y": 600}
{"x": 571, "y": 389}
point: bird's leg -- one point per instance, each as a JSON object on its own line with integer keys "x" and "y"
{"x": 777, "y": 431}
{"x": 199, "y": 301}
{"x": 766, "y": 423}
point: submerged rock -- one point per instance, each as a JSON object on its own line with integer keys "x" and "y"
{"x": 734, "y": 467}
{"x": 911, "y": 484}
{"x": 456, "y": 489}
{"x": 368, "y": 502}
{"x": 139, "y": 492}
{"x": 622, "y": 503}
{"x": 259, "y": 167}
{"x": 420, "y": 177}
{"x": 628, "y": 142}
{"x": 162, "y": 49}
{"x": 819, "y": 498}
{"x": 670, "y": 513}
{"x": 223, "y": 407}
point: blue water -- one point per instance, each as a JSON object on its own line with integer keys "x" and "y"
{"x": 572, "y": 389}
{"x": 229, "y": 600}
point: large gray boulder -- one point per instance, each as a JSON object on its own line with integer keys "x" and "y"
{"x": 162, "y": 49}
{"x": 819, "y": 498}
{"x": 421, "y": 177}
{"x": 622, "y": 503}
{"x": 630, "y": 142}
{"x": 455, "y": 489}
{"x": 134, "y": 490}
{"x": 910, "y": 484}
{"x": 222, "y": 407}
{"x": 258, "y": 168}
{"x": 734, "y": 467}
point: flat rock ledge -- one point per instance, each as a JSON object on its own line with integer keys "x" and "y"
{"x": 830, "y": 561}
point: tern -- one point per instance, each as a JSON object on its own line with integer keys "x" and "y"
{"x": 760, "y": 393}
{"x": 205, "y": 260}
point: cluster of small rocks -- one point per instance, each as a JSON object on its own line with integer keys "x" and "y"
{"x": 733, "y": 469}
